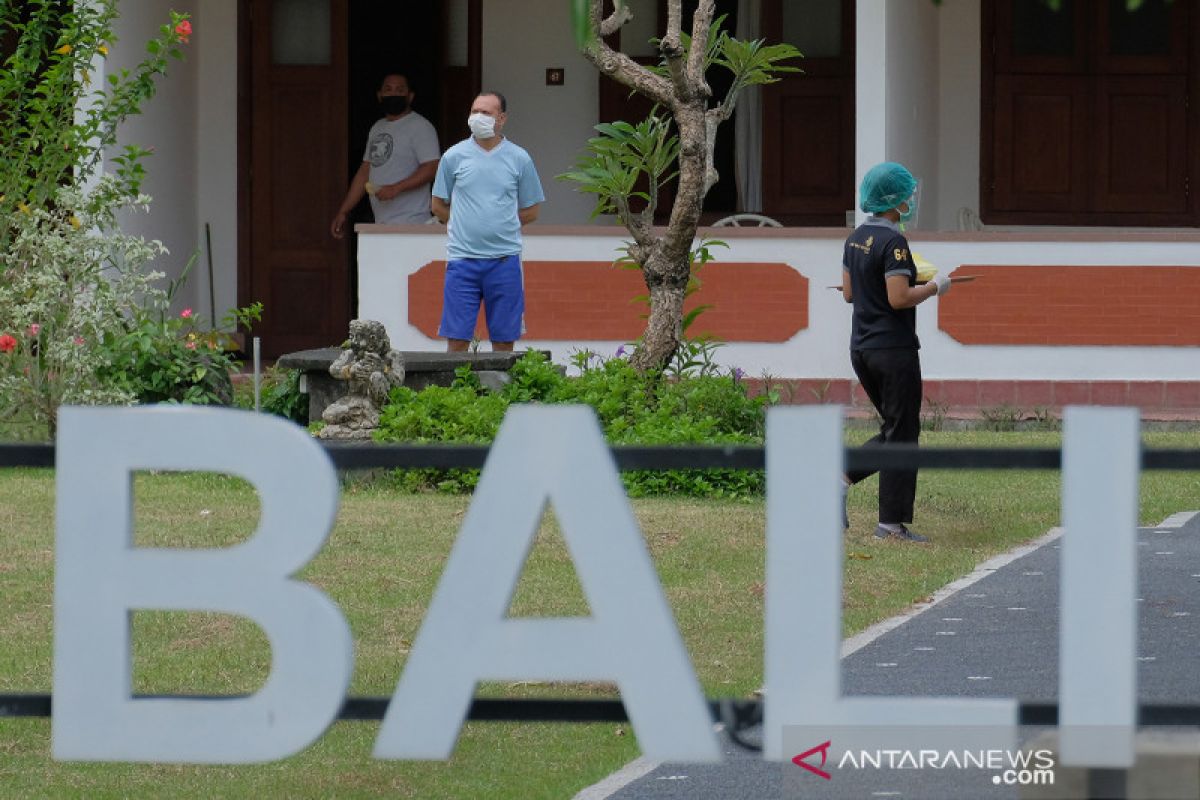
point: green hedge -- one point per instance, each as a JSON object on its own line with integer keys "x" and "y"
{"x": 632, "y": 409}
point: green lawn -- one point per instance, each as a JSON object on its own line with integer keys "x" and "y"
{"x": 381, "y": 564}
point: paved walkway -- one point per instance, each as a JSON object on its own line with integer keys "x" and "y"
{"x": 996, "y": 637}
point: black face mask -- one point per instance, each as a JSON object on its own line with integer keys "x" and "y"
{"x": 393, "y": 105}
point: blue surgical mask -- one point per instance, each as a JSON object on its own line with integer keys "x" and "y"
{"x": 910, "y": 211}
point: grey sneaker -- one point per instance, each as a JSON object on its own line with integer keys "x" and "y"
{"x": 904, "y": 535}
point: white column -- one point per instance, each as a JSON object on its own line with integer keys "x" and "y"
{"x": 870, "y": 97}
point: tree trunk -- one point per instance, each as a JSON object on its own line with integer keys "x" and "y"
{"x": 665, "y": 260}
{"x": 664, "y": 329}
{"x": 668, "y": 268}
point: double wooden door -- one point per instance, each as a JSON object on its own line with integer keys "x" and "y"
{"x": 1088, "y": 113}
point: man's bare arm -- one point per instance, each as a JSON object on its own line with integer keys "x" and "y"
{"x": 441, "y": 209}
{"x": 358, "y": 188}
{"x": 529, "y": 215}
{"x": 421, "y": 176}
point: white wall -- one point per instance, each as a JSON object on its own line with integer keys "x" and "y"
{"x": 820, "y": 351}
{"x": 870, "y": 91}
{"x": 191, "y": 125}
{"x": 168, "y": 125}
{"x": 521, "y": 40}
{"x": 960, "y": 31}
{"x": 214, "y": 49}
{"x": 911, "y": 75}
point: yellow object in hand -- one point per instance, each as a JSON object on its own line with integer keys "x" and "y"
{"x": 371, "y": 188}
{"x": 925, "y": 270}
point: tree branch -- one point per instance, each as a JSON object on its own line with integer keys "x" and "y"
{"x": 671, "y": 41}
{"x": 624, "y": 69}
{"x": 712, "y": 121}
{"x": 639, "y": 225}
{"x": 724, "y": 111}
{"x": 615, "y": 20}
{"x": 671, "y": 47}
{"x": 643, "y": 232}
{"x": 646, "y": 218}
{"x": 689, "y": 194}
{"x": 697, "y": 56}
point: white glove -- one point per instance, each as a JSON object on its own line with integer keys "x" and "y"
{"x": 943, "y": 284}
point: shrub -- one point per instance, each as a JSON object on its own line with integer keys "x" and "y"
{"x": 441, "y": 414}
{"x": 161, "y": 358}
{"x": 73, "y": 288}
{"x": 63, "y": 294}
{"x": 281, "y": 395}
{"x": 57, "y": 125}
{"x": 633, "y": 408}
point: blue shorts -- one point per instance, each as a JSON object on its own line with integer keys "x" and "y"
{"x": 498, "y": 284}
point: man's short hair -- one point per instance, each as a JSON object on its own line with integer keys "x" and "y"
{"x": 498, "y": 96}
{"x": 397, "y": 73}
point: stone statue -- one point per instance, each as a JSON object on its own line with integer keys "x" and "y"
{"x": 371, "y": 369}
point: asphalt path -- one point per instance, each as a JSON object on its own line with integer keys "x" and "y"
{"x": 997, "y": 637}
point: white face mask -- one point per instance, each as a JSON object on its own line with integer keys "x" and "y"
{"x": 482, "y": 126}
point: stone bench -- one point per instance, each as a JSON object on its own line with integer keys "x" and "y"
{"x": 421, "y": 369}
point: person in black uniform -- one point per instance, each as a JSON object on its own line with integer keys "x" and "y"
{"x": 880, "y": 279}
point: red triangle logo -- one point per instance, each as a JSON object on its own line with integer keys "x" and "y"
{"x": 823, "y": 749}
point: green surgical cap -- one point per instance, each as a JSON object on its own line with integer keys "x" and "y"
{"x": 885, "y": 187}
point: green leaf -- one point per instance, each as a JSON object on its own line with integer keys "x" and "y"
{"x": 581, "y": 25}
{"x": 690, "y": 316}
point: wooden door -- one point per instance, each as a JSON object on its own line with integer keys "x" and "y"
{"x": 461, "y": 69}
{"x": 294, "y": 178}
{"x": 1088, "y": 113}
{"x": 1042, "y": 152}
{"x": 808, "y": 118}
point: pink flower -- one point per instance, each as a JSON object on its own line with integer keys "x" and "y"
{"x": 79, "y": 340}
{"x": 186, "y": 313}
{"x": 35, "y": 329}
{"x": 184, "y": 31}
{"x": 7, "y": 343}
{"x": 190, "y": 345}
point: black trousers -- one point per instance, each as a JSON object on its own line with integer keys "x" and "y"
{"x": 892, "y": 379}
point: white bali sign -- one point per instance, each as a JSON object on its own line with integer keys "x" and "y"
{"x": 542, "y": 455}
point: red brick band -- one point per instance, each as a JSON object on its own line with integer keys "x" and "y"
{"x": 594, "y": 301}
{"x": 1057, "y": 305}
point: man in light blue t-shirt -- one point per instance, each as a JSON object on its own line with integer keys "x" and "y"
{"x": 486, "y": 188}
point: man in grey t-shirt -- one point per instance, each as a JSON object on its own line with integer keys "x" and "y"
{"x": 398, "y": 165}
